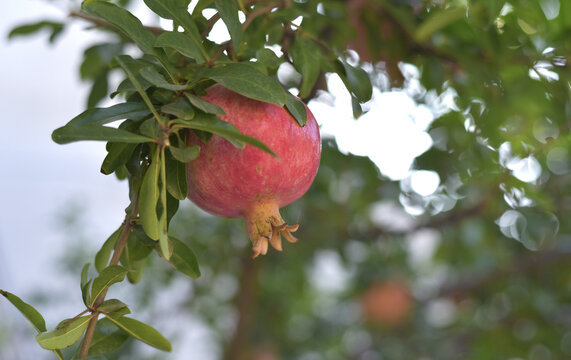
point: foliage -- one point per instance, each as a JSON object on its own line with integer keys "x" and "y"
{"x": 501, "y": 152}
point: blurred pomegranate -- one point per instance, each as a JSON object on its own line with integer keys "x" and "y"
{"x": 387, "y": 303}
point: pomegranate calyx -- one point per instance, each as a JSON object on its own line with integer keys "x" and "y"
{"x": 264, "y": 226}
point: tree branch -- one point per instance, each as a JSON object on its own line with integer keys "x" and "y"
{"x": 117, "y": 252}
{"x": 245, "y": 304}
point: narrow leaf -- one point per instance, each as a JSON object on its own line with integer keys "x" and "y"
{"x": 163, "y": 218}
{"x": 297, "y": 109}
{"x": 142, "y": 332}
{"x": 118, "y": 155}
{"x": 56, "y": 29}
{"x": 129, "y": 24}
{"x": 204, "y": 105}
{"x": 102, "y": 116}
{"x": 69, "y": 133}
{"x": 107, "y": 338}
{"x": 180, "y": 108}
{"x": 103, "y": 255}
{"x": 306, "y": 60}
{"x": 150, "y": 74}
{"x": 181, "y": 43}
{"x": 84, "y": 284}
{"x": 111, "y": 305}
{"x": 183, "y": 259}
{"x": 247, "y": 80}
{"x": 126, "y": 62}
{"x": 176, "y": 175}
{"x": 29, "y": 312}
{"x": 172, "y": 9}
{"x": 357, "y": 82}
{"x": 214, "y": 125}
{"x": 228, "y": 10}
{"x": 64, "y": 336}
{"x": 109, "y": 276}
{"x": 185, "y": 154}
{"x": 149, "y": 197}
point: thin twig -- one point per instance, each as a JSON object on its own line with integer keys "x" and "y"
{"x": 117, "y": 252}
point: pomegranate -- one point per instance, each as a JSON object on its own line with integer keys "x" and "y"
{"x": 250, "y": 183}
{"x": 388, "y": 303}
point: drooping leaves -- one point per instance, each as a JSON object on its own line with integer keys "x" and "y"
{"x": 56, "y": 29}
{"x": 107, "y": 338}
{"x": 129, "y": 24}
{"x": 183, "y": 259}
{"x": 223, "y": 129}
{"x": 181, "y": 43}
{"x": 149, "y": 197}
{"x": 142, "y": 332}
{"x": 29, "y": 312}
{"x": 306, "y": 60}
{"x": 109, "y": 276}
{"x": 297, "y": 109}
{"x": 228, "y": 10}
{"x": 66, "y": 334}
{"x": 247, "y": 80}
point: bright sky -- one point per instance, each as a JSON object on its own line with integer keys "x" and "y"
{"x": 40, "y": 179}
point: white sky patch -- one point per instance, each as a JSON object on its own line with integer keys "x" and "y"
{"x": 424, "y": 182}
{"x": 391, "y": 133}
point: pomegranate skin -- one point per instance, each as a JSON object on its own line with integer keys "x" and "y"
{"x": 250, "y": 183}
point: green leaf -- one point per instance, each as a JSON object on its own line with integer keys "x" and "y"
{"x": 129, "y": 24}
{"x": 180, "y": 108}
{"x": 438, "y": 20}
{"x": 111, "y": 305}
{"x": 174, "y": 10}
{"x": 183, "y": 259}
{"x": 186, "y": 154}
{"x": 64, "y": 336}
{"x": 118, "y": 155}
{"x": 56, "y": 29}
{"x": 214, "y": 125}
{"x": 128, "y": 64}
{"x": 228, "y": 10}
{"x": 84, "y": 284}
{"x": 109, "y": 276}
{"x": 297, "y": 109}
{"x": 150, "y": 74}
{"x": 149, "y": 197}
{"x": 181, "y": 43}
{"x": 107, "y": 338}
{"x": 102, "y": 116}
{"x": 357, "y": 82}
{"x": 306, "y": 60}
{"x": 176, "y": 170}
{"x": 204, "y": 105}
{"x": 163, "y": 202}
{"x": 356, "y": 107}
{"x": 70, "y": 133}
{"x": 103, "y": 255}
{"x": 29, "y": 312}
{"x": 142, "y": 332}
{"x": 268, "y": 59}
{"x": 247, "y": 80}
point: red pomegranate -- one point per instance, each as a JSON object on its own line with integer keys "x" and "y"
{"x": 249, "y": 182}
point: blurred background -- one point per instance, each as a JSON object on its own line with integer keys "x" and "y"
{"x": 436, "y": 227}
